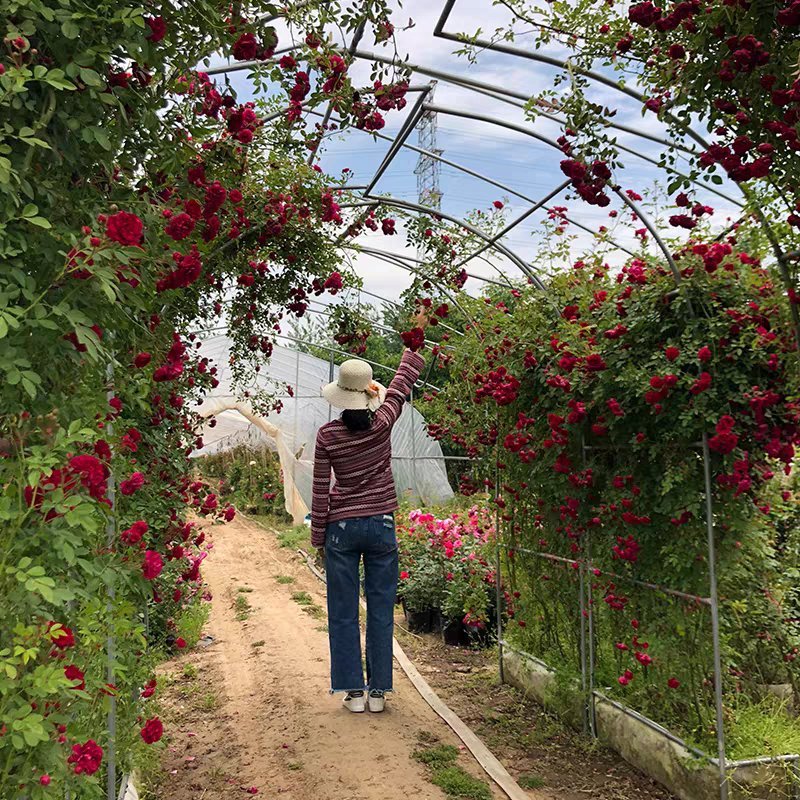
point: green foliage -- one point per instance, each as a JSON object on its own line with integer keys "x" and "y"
{"x": 436, "y": 757}
{"x": 454, "y": 781}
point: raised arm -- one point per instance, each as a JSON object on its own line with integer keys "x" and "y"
{"x": 403, "y": 382}
{"x": 320, "y": 493}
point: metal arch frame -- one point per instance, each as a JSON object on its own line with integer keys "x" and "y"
{"x": 487, "y": 179}
{"x": 399, "y": 141}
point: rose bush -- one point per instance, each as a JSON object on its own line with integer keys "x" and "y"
{"x": 589, "y": 402}
{"x": 140, "y": 200}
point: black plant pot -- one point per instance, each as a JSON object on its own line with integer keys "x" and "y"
{"x": 419, "y": 621}
{"x": 478, "y": 637}
{"x": 437, "y": 620}
{"x": 454, "y": 634}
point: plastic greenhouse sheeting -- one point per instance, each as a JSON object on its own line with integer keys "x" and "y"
{"x": 418, "y": 464}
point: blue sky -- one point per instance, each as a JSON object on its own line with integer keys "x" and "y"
{"x": 531, "y": 167}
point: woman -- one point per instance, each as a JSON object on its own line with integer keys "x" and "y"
{"x": 355, "y": 518}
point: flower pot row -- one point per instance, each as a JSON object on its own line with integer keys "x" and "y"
{"x": 453, "y": 630}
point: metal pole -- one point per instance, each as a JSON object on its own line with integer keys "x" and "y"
{"x": 498, "y": 599}
{"x": 589, "y": 599}
{"x": 330, "y": 380}
{"x": 414, "y": 446}
{"x": 713, "y": 596}
{"x": 111, "y": 754}
{"x": 584, "y": 677}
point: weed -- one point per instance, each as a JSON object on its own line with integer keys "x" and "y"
{"x": 284, "y": 579}
{"x": 442, "y": 755}
{"x": 242, "y": 607}
{"x": 314, "y": 611}
{"x": 245, "y": 589}
{"x": 295, "y": 765}
{"x": 302, "y": 598}
{"x": 322, "y": 628}
{"x": 455, "y": 782}
{"x": 259, "y": 643}
{"x": 191, "y": 621}
{"x": 209, "y": 701}
{"x": 531, "y": 782}
{"x": 189, "y": 671}
{"x": 426, "y": 737}
{"x": 295, "y": 537}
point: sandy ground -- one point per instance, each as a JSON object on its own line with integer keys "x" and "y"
{"x": 251, "y": 711}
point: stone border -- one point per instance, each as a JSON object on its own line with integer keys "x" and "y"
{"x": 651, "y": 751}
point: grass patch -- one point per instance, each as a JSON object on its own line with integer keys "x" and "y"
{"x": 191, "y": 621}
{"x": 208, "y": 702}
{"x": 322, "y": 628}
{"x": 295, "y": 537}
{"x": 242, "y": 607}
{"x": 443, "y": 755}
{"x": 295, "y": 765}
{"x": 189, "y": 671}
{"x": 245, "y": 589}
{"x": 259, "y": 643}
{"x": 531, "y": 782}
{"x": 762, "y": 729}
{"x": 455, "y": 782}
{"x": 284, "y": 579}
{"x": 302, "y": 598}
{"x": 314, "y": 611}
{"x": 445, "y": 773}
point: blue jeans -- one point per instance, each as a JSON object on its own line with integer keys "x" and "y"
{"x": 345, "y": 543}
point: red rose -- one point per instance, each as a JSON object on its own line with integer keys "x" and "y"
{"x": 72, "y": 673}
{"x": 61, "y": 638}
{"x": 245, "y": 48}
{"x": 413, "y": 339}
{"x": 141, "y": 360}
{"x": 158, "y": 28}
{"x": 180, "y": 643}
{"x": 671, "y": 353}
{"x": 180, "y": 226}
{"x": 333, "y": 283}
{"x": 673, "y": 683}
{"x": 134, "y": 534}
{"x": 153, "y": 565}
{"x": 704, "y": 354}
{"x": 86, "y": 757}
{"x": 152, "y": 731}
{"x": 132, "y": 484}
{"x": 125, "y": 228}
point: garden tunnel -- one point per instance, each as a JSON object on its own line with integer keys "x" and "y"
{"x": 489, "y": 134}
{"x": 503, "y": 257}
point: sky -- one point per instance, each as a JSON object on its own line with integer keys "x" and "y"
{"x": 529, "y": 167}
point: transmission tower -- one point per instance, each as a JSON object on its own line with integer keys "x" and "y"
{"x": 428, "y": 169}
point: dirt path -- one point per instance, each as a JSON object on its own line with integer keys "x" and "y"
{"x": 252, "y": 710}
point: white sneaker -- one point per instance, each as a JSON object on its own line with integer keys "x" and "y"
{"x": 377, "y": 701}
{"x": 355, "y": 702}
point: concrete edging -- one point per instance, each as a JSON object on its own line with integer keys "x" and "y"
{"x": 650, "y": 751}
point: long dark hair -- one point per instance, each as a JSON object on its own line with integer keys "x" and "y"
{"x": 357, "y": 419}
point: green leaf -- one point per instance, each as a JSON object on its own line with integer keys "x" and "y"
{"x": 40, "y": 222}
{"x": 91, "y": 78}
{"x": 30, "y": 210}
{"x": 102, "y": 138}
{"x": 70, "y": 29}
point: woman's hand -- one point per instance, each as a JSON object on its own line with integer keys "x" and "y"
{"x": 319, "y": 560}
{"x": 422, "y": 318}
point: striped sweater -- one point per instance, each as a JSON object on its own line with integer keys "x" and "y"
{"x": 361, "y": 460}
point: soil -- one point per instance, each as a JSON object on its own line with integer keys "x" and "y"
{"x": 528, "y": 741}
{"x": 251, "y": 711}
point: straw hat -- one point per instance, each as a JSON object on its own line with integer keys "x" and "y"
{"x": 355, "y": 388}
